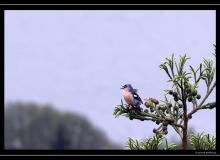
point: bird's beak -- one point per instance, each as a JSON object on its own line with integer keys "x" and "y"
{"x": 122, "y": 87}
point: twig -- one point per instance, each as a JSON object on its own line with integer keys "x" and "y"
{"x": 178, "y": 131}
{"x": 181, "y": 122}
{"x": 178, "y": 125}
{"x": 140, "y": 118}
{"x": 207, "y": 106}
{"x": 207, "y": 95}
{"x": 159, "y": 127}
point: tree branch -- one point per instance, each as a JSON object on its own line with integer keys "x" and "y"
{"x": 178, "y": 125}
{"x": 178, "y": 131}
{"x": 207, "y": 95}
{"x": 207, "y": 106}
{"x": 135, "y": 117}
{"x": 139, "y": 117}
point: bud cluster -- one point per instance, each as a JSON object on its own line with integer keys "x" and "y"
{"x": 191, "y": 92}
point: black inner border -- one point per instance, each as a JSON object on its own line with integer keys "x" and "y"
{"x": 101, "y": 7}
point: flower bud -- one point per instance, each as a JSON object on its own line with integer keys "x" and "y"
{"x": 164, "y": 109}
{"x": 151, "y": 109}
{"x": 164, "y": 128}
{"x": 130, "y": 118}
{"x": 180, "y": 106}
{"x": 169, "y": 105}
{"x": 176, "y": 99}
{"x": 147, "y": 104}
{"x": 170, "y": 92}
{"x": 165, "y": 123}
{"x": 155, "y": 101}
{"x": 146, "y": 111}
{"x": 175, "y": 94}
{"x": 170, "y": 120}
{"x": 160, "y": 136}
{"x": 194, "y": 92}
{"x": 186, "y": 85}
{"x": 190, "y": 99}
{"x": 188, "y": 90}
{"x": 198, "y": 96}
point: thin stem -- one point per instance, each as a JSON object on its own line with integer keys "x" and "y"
{"x": 172, "y": 71}
{"x": 181, "y": 122}
{"x": 207, "y": 106}
{"x": 207, "y": 95}
{"x": 163, "y": 116}
{"x": 178, "y": 131}
{"x": 166, "y": 143}
{"x": 159, "y": 127}
{"x": 178, "y": 125}
{"x": 140, "y": 118}
{"x": 150, "y": 115}
{"x": 194, "y": 101}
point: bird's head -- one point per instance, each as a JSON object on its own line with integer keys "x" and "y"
{"x": 128, "y": 86}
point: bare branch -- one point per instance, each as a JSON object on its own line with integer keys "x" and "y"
{"x": 207, "y": 95}
{"x": 207, "y": 106}
{"x": 178, "y": 131}
{"x": 178, "y": 125}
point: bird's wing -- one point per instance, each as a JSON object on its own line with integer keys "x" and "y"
{"x": 136, "y": 96}
{"x": 135, "y": 90}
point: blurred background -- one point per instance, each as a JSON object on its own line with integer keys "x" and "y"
{"x": 64, "y": 70}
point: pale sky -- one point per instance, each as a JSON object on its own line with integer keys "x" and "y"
{"x": 78, "y": 60}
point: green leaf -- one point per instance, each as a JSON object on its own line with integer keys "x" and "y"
{"x": 170, "y": 146}
{"x": 177, "y": 69}
{"x": 201, "y": 141}
{"x": 152, "y": 143}
{"x": 192, "y": 69}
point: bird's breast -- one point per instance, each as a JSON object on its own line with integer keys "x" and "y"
{"x": 128, "y": 97}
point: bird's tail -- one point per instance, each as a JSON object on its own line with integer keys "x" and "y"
{"x": 138, "y": 108}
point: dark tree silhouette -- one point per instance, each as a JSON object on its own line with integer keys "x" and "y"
{"x": 34, "y": 126}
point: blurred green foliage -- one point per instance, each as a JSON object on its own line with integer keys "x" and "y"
{"x": 34, "y": 126}
{"x": 147, "y": 144}
{"x": 196, "y": 141}
{"x": 202, "y": 141}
